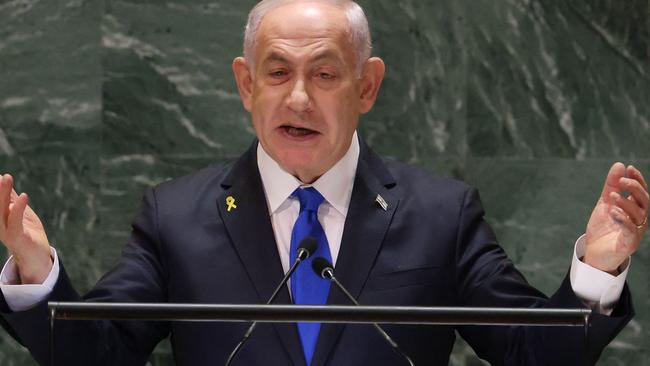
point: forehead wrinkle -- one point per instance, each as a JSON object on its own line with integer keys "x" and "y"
{"x": 275, "y": 56}
{"x": 326, "y": 54}
{"x": 279, "y": 55}
{"x": 276, "y": 29}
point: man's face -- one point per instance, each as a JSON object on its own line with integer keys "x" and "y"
{"x": 305, "y": 98}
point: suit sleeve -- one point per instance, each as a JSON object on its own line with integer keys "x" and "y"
{"x": 486, "y": 277}
{"x": 139, "y": 276}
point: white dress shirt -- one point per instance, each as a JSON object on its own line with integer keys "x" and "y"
{"x": 335, "y": 186}
{"x": 597, "y": 289}
{"x": 22, "y": 297}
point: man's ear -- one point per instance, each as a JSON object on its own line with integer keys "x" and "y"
{"x": 244, "y": 80}
{"x": 373, "y": 74}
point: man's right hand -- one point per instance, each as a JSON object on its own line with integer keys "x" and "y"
{"x": 22, "y": 232}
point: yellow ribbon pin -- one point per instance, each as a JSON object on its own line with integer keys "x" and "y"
{"x": 230, "y": 201}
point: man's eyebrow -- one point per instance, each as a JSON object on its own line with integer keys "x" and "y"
{"x": 275, "y": 56}
{"x": 326, "y": 54}
{"x": 322, "y": 55}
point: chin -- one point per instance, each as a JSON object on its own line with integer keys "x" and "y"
{"x": 297, "y": 163}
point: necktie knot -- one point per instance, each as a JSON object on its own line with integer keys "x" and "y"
{"x": 310, "y": 199}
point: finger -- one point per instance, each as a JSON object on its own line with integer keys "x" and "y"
{"x": 15, "y": 220}
{"x": 630, "y": 207}
{"x": 612, "y": 182}
{"x": 6, "y": 184}
{"x": 634, "y": 173}
{"x": 622, "y": 218}
{"x": 637, "y": 189}
{"x": 637, "y": 193}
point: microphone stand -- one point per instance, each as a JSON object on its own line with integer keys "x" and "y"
{"x": 303, "y": 253}
{"x": 328, "y": 273}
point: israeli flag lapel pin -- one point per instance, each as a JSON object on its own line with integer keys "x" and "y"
{"x": 382, "y": 202}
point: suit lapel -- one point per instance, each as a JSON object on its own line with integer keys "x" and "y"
{"x": 365, "y": 227}
{"x": 251, "y": 232}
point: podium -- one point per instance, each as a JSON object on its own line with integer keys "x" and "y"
{"x": 316, "y": 313}
{"x": 319, "y": 313}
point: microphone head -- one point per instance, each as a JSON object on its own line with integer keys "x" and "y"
{"x": 321, "y": 266}
{"x": 307, "y": 246}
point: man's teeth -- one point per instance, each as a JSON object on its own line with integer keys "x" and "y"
{"x": 298, "y": 131}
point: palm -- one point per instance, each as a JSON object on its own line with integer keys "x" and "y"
{"x": 32, "y": 233}
{"x": 612, "y": 231}
{"x": 608, "y": 235}
{"x": 22, "y": 232}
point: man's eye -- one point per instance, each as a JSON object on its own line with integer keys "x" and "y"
{"x": 325, "y": 76}
{"x": 277, "y": 73}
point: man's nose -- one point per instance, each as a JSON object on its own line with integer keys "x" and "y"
{"x": 298, "y": 99}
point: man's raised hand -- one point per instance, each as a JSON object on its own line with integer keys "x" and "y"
{"x": 22, "y": 232}
{"x": 619, "y": 220}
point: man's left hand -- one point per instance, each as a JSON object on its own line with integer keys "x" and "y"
{"x": 619, "y": 220}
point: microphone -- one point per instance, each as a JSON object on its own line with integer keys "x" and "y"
{"x": 306, "y": 248}
{"x": 324, "y": 269}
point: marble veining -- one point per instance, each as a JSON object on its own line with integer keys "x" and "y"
{"x": 528, "y": 100}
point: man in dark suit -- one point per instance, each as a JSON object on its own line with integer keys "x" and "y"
{"x": 397, "y": 235}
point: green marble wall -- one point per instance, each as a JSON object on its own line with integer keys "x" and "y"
{"x": 529, "y": 100}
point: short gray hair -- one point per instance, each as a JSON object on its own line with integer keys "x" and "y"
{"x": 358, "y": 23}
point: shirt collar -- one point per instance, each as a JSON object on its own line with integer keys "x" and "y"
{"x": 335, "y": 185}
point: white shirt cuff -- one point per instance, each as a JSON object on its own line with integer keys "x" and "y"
{"x": 23, "y": 297}
{"x": 597, "y": 289}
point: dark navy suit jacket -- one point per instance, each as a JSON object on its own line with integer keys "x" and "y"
{"x": 431, "y": 247}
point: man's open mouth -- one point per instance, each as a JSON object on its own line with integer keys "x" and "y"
{"x": 298, "y": 131}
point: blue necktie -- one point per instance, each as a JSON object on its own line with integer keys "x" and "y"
{"x": 306, "y": 287}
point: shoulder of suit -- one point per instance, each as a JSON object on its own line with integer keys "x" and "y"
{"x": 413, "y": 179}
{"x": 208, "y": 178}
